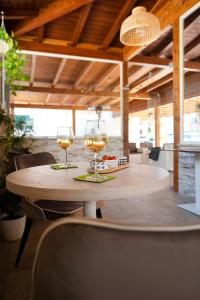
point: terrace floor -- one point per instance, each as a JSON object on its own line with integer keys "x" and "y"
{"x": 155, "y": 209}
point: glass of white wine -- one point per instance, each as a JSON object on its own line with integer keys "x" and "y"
{"x": 95, "y": 139}
{"x": 65, "y": 138}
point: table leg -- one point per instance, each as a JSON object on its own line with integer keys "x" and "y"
{"x": 195, "y": 207}
{"x": 89, "y": 209}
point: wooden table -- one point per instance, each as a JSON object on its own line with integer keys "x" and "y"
{"x": 45, "y": 183}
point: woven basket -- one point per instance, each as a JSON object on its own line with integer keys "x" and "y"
{"x": 141, "y": 28}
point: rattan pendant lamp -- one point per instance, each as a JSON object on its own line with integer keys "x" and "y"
{"x": 140, "y": 28}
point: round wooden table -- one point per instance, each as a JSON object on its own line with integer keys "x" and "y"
{"x": 45, "y": 183}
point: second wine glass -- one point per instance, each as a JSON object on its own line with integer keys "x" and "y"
{"x": 95, "y": 138}
{"x": 65, "y": 138}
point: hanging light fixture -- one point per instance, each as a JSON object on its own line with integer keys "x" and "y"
{"x": 141, "y": 28}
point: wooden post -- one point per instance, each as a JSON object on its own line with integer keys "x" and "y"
{"x": 125, "y": 107}
{"x": 157, "y": 126}
{"x": 176, "y": 97}
{"x": 74, "y": 121}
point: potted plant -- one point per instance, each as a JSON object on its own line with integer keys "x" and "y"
{"x": 12, "y": 62}
{"x": 12, "y": 219}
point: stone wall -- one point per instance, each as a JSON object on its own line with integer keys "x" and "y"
{"x": 187, "y": 174}
{"x": 77, "y": 152}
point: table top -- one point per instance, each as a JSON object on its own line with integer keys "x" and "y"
{"x": 45, "y": 183}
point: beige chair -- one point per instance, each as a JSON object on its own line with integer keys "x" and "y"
{"x": 88, "y": 260}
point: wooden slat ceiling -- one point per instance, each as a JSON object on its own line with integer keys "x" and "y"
{"x": 93, "y": 27}
{"x": 190, "y": 106}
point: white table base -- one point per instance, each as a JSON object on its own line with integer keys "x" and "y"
{"x": 89, "y": 209}
{"x": 195, "y": 207}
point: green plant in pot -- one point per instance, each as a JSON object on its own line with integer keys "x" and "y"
{"x": 12, "y": 218}
{"x": 12, "y": 64}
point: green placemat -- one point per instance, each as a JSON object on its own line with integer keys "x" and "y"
{"x": 91, "y": 178}
{"x": 62, "y": 166}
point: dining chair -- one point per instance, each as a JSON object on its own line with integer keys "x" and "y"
{"x": 41, "y": 209}
{"x": 134, "y": 262}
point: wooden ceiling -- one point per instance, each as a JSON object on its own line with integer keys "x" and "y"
{"x": 190, "y": 106}
{"x": 89, "y": 28}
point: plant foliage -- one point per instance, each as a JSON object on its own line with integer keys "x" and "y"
{"x": 9, "y": 203}
{"x": 9, "y": 140}
{"x": 13, "y": 62}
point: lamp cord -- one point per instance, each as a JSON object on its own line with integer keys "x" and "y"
{"x": 155, "y": 6}
{"x": 2, "y": 20}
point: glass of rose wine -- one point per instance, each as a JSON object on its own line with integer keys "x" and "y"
{"x": 65, "y": 138}
{"x": 95, "y": 139}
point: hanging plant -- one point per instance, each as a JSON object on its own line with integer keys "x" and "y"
{"x": 12, "y": 60}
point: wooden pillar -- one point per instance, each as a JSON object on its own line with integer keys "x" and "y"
{"x": 74, "y": 121}
{"x": 157, "y": 126}
{"x": 125, "y": 107}
{"x": 176, "y": 97}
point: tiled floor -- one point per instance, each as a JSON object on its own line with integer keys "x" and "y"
{"x": 154, "y": 209}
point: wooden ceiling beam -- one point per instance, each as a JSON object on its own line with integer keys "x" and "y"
{"x": 53, "y": 106}
{"x": 137, "y": 96}
{"x": 84, "y": 73}
{"x": 159, "y": 83}
{"x": 163, "y": 44}
{"x": 138, "y": 74}
{"x": 80, "y": 24}
{"x": 59, "y": 71}
{"x": 42, "y": 28}
{"x": 116, "y": 25}
{"x": 140, "y": 96}
{"x": 158, "y": 75}
{"x": 53, "y": 11}
{"x": 80, "y": 92}
{"x": 167, "y": 12}
{"x": 142, "y": 60}
{"x": 40, "y": 34}
{"x": 111, "y": 102}
{"x": 195, "y": 42}
{"x": 53, "y": 90}
{"x": 49, "y": 106}
{"x": 85, "y": 100}
{"x": 65, "y": 99}
{"x": 106, "y": 75}
{"x": 192, "y": 66}
{"x": 82, "y": 52}
{"x": 98, "y": 101}
{"x": 33, "y": 66}
{"x": 47, "y": 99}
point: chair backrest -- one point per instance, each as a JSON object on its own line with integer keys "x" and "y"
{"x": 87, "y": 260}
{"x": 32, "y": 160}
{"x": 132, "y": 147}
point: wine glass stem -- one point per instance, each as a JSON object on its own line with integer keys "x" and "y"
{"x": 95, "y": 165}
{"x": 66, "y": 156}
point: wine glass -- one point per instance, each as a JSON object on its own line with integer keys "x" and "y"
{"x": 65, "y": 138}
{"x": 95, "y": 139}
